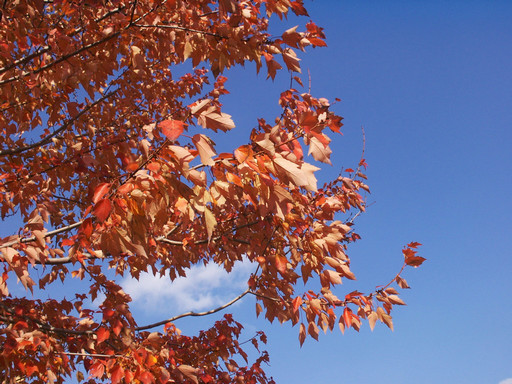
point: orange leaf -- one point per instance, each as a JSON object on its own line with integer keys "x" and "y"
{"x": 86, "y": 228}
{"x": 281, "y": 264}
{"x": 243, "y": 153}
{"x": 333, "y": 277}
{"x": 296, "y": 303}
{"x": 316, "y": 42}
{"x": 258, "y": 309}
{"x": 216, "y": 120}
{"x": 172, "y": 129}
{"x": 347, "y": 317}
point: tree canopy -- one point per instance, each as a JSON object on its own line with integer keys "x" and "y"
{"x": 108, "y": 169}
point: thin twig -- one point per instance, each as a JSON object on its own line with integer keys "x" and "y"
{"x": 93, "y": 355}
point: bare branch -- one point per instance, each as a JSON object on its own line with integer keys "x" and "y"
{"x": 195, "y": 314}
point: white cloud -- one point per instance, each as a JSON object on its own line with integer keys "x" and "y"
{"x": 203, "y": 288}
{"x": 506, "y": 381}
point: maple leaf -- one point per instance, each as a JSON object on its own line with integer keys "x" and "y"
{"x": 216, "y": 120}
{"x": 319, "y": 151}
{"x": 291, "y": 37}
{"x": 172, "y": 129}
{"x": 301, "y": 175}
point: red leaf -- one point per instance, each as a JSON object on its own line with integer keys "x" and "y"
{"x": 102, "y": 334}
{"x": 146, "y": 377}
{"x": 298, "y": 8}
{"x": 102, "y": 209}
{"x": 100, "y": 191}
{"x": 86, "y": 228}
{"x": 97, "y": 369}
{"x": 117, "y": 374}
{"x": 315, "y": 41}
{"x": 172, "y": 129}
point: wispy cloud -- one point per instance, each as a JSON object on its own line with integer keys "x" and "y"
{"x": 203, "y": 288}
{"x": 506, "y": 381}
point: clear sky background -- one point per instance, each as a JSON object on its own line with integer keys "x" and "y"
{"x": 431, "y": 83}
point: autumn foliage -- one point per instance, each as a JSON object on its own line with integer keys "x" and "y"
{"x": 107, "y": 169}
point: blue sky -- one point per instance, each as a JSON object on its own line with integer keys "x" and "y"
{"x": 431, "y": 83}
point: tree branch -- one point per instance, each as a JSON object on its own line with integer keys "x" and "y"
{"x": 178, "y": 27}
{"x": 64, "y": 126}
{"x": 47, "y": 234}
{"x": 149, "y": 326}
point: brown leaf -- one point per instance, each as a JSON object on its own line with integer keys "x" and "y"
{"x": 291, "y": 60}
{"x": 204, "y": 146}
{"x": 313, "y": 330}
{"x": 211, "y": 222}
{"x": 394, "y": 299}
{"x": 302, "y": 334}
{"x": 372, "y": 319}
{"x": 189, "y": 372}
